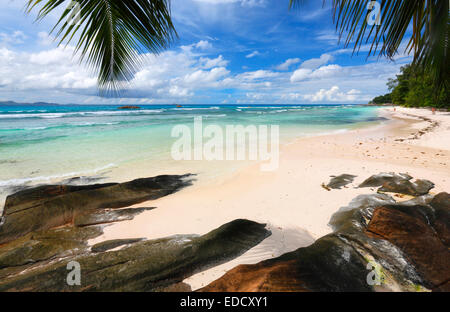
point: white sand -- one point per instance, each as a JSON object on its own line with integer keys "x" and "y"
{"x": 291, "y": 200}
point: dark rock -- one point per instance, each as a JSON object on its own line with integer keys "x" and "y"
{"x": 340, "y": 181}
{"x": 108, "y": 216}
{"x": 129, "y": 107}
{"x": 146, "y": 265}
{"x": 42, "y": 246}
{"x": 380, "y": 179}
{"x": 327, "y": 265}
{"x": 111, "y": 244}
{"x": 441, "y": 206}
{"x": 46, "y": 207}
{"x": 418, "y": 188}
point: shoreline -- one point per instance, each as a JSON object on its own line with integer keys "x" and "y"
{"x": 296, "y": 212}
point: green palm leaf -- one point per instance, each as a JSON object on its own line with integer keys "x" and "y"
{"x": 430, "y": 30}
{"x": 111, "y": 34}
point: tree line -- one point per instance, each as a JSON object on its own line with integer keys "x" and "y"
{"x": 415, "y": 87}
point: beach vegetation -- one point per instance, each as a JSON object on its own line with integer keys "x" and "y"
{"x": 414, "y": 87}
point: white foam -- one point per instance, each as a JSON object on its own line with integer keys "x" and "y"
{"x": 23, "y": 181}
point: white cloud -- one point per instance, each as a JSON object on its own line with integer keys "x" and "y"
{"x": 333, "y": 95}
{"x": 203, "y": 45}
{"x": 288, "y": 63}
{"x": 258, "y": 74}
{"x": 15, "y": 37}
{"x": 202, "y": 76}
{"x": 45, "y": 39}
{"x": 253, "y": 54}
{"x": 216, "y": 62}
{"x": 317, "y": 62}
{"x": 320, "y": 73}
{"x": 300, "y": 74}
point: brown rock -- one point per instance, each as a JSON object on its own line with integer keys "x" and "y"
{"x": 327, "y": 265}
{"x": 413, "y": 236}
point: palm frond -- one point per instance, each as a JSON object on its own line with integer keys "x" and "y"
{"x": 428, "y": 41}
{"x": 111, "y": 34}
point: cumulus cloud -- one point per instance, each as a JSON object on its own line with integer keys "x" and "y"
{"x": 302, "y": 74}
{"x": 258, "y": 74}
{"x": 203, "y": 45}
{"x": 316, "y": 62}
{"x": 333, "y": 95}
{"x": 15, "y": 37}
{"x": 288, "y": 63}
{"x": 207, "y": 62}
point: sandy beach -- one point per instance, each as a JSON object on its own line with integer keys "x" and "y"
{"x": 291, "y": 200}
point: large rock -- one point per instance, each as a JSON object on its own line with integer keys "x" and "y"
{"x": 327, "y": 265}
{"x": 405, "y": 244}
{"x": 398, "y": 183}
{"x": 51, "y": 206}
{"x": 441, "y": 222}
{"x": 417, "y": 188}
{"x": 39, "y": 248}
{"x": 409, "y": 229}
{"x": 381, "y": 178}
{"x": 145, "y": 265}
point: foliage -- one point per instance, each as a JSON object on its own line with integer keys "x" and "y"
{"x": 383, "y": 99}
{"x": 111, "y": 34}
{"x": 415, "y": 87}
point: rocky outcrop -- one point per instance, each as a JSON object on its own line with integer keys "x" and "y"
{"x": 408, "y": 229}
{"x": 398, "y": 183}
{"x": 377, "y": 244}
{"x": 45, "y": 207}
{"x": 142, "y": 266}
{"x": 340, "y": 181}
{"x": 48, "y": 227}
{"x": 381, "y": 178}
{"x": 417, "y": 188}
{"x": 327, "y": 265}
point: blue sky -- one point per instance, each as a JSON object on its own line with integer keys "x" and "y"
{"x": 228, "y": 51}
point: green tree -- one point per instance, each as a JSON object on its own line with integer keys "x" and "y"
{"x": 415, "y": 87}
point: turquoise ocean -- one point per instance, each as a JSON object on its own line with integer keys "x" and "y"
{"x": 89, "y": 143}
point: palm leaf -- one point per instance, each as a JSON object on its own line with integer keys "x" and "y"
{"x": 430, "y": 30}
{"x": 111, "y": 34}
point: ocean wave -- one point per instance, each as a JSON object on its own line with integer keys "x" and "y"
{"x": 25, "y": 181}
{"x": 81, "y": 114}
{"x": 58, "y": 126}
{"x": 195, "y": 108}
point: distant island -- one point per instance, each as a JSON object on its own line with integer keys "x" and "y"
{"x": 12, "y": 103}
